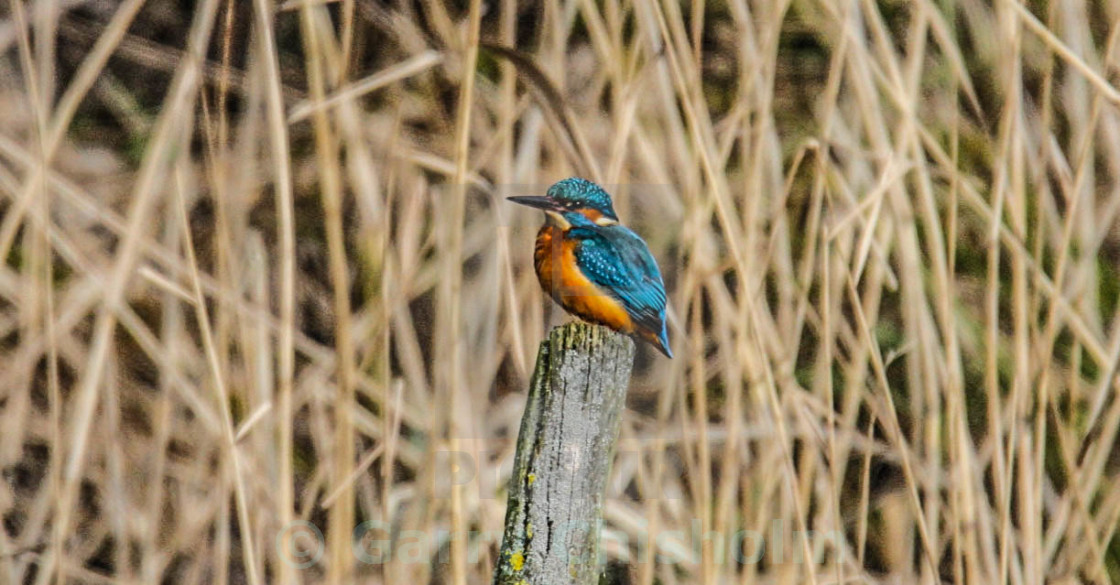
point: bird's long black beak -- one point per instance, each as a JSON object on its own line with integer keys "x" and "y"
{"x": 540, "y": 202}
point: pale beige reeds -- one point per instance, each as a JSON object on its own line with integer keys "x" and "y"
{"x": 245, "y": 297}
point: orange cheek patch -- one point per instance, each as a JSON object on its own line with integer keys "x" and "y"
{"x": 592, "y": 214}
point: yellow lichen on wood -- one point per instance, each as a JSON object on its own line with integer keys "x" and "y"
{"x": 564, "y": 449}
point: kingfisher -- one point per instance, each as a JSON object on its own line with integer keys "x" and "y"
{"x": 593, "y": 266}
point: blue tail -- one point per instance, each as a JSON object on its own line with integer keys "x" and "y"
{"x": 663, "y": 341}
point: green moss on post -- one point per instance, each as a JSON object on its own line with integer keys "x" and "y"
{"x": 564, "y": 453}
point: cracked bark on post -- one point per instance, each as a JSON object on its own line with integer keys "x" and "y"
{"x": 564, "y": 452}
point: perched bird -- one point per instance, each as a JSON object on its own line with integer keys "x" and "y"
{"x": 596, "y": 268}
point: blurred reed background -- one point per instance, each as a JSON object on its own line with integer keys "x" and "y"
{"x": 260, "y": 286}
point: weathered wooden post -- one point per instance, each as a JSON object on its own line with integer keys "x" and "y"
{"x": 564, "y": 452}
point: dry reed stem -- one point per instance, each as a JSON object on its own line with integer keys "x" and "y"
{"x": 180, "y": 94}
{"x": 285, "y": 355}
{"x": 451, "y": 293}
{"x": 888, "y": 229}
{"x": 341, "y": 562}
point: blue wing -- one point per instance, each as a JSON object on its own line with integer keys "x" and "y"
{"x": 618, "y": 261}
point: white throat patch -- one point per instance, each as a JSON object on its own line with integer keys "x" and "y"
{"x": 557, "y": 220}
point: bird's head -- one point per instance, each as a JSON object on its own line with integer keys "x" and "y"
{"x": 573, "y": 201}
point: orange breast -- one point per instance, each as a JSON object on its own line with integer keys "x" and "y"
{"x": 560, "y": 277}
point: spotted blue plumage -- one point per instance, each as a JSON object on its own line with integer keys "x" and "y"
{"x": 618, "y": 262}
{"x": 575, "y": 193}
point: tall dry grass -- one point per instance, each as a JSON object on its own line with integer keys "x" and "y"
{"x": 261, "y": 293}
